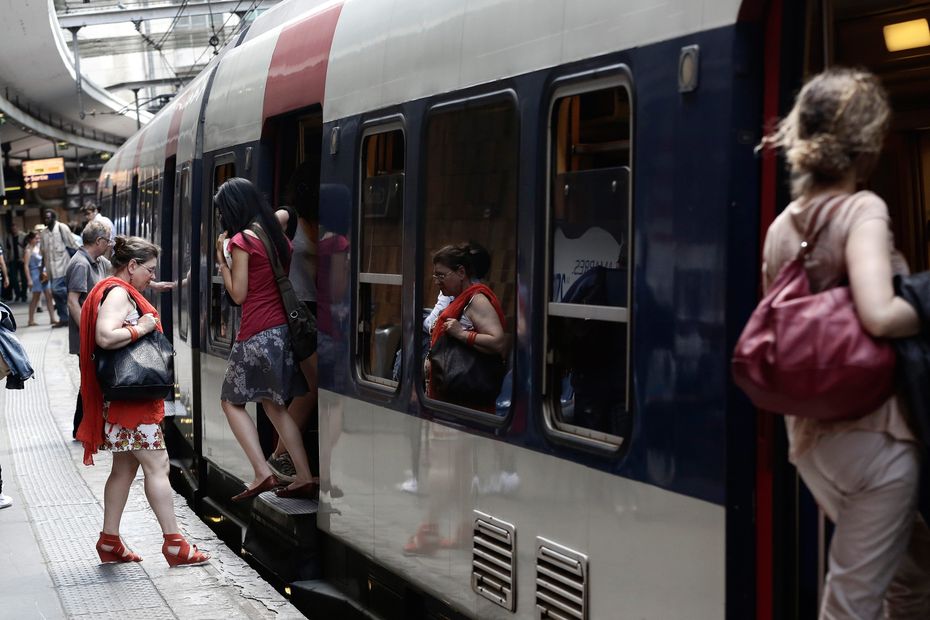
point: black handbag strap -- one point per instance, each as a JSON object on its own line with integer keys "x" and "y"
{"x": 285, "y": 288}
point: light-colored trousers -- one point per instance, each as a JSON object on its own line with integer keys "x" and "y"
{"x": 866, "y": 483}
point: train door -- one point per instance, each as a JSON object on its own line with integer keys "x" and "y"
{"x": 892, "y": 40}
{"x": 296, "y": 141}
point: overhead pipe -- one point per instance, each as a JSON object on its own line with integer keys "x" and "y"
{"x": 77, "y": 69}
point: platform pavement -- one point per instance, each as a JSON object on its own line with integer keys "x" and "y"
{"x": 48, "y": 566}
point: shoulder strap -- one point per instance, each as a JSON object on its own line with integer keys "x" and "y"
{"x": 61, "y": 233}
{"x": 285, "y": 289}
{"x": 819, "y": 223}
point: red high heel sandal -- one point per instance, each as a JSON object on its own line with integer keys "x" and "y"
{"x": 111, "y": 549}
{"x": 424, "y": 542}
{"x": 178, "y": 552}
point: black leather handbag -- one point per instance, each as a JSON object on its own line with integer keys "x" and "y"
{"x": 463, "y": 375}
{"x": 142, "y": 370}
{"x": 300, "y": 321}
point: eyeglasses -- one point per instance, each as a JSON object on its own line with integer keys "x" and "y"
{"x": 439, "y": 277}
{"x": 151, "y": 270}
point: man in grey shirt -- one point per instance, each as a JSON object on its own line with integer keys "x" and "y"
{"x": 87, "y": 267}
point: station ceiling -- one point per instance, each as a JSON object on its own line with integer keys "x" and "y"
{"x": 126, "y": 49}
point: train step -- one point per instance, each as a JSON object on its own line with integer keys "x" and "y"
{"x": 282, "y": 535}
{"x": 321, "y": 599}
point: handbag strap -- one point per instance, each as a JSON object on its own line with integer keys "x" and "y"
{"x": 285, "y": 288}
{"x": 818, "y": 224}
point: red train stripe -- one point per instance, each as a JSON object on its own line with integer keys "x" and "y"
{"x": 297, "y": 75}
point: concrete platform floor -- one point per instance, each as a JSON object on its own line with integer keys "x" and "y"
{"x": 48, "y": 565}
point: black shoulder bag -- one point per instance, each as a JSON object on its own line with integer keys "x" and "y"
{"x": 300, "y": 321}
{"x": 142, "y": 370}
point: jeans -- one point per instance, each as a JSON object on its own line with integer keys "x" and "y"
{"x": 60, "y": 295}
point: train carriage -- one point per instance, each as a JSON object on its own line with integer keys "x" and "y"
{"x": 603, "y": 153}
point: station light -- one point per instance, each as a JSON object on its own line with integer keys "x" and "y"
{"x": 22, "y": 201}
{"x": 907, "y": 35}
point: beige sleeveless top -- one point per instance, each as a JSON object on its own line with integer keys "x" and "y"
{"x": 826, "y": 267}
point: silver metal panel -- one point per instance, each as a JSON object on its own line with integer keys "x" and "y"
{"x": 652, "y": 553}
{"x": 381, "y": 278}
{"x": 588, "y": 312}
{"x": 234, "y": 109}
{"x": 388, "y": 51}
{"x": 219, "y": 443}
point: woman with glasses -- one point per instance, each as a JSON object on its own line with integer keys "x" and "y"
{"x": 262, "y": 367}
{"x": 473, "y": 314}
{"x": 113, "y": 315}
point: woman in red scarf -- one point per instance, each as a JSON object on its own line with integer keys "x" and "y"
{"x": 115, "y": 314}
{"x": 473, "y": 316}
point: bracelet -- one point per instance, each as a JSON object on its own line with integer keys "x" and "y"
{"x": 133, "y": 333}
{"x": 471, "y": 338}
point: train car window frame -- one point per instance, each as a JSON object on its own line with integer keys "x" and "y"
{"x": 367, "y": 279}
{"x": 219, "y": 344}
{"x": 589, "y": 82}
{"x": 185, "y": 231}
{"x": 426, "y": 294}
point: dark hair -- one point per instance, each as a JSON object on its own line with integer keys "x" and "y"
{"x": 303, "y": 191}
{"x": 240, "y": 203}
{"x": 29, "y": 237}
{"x": 472, "y": 256}
{"x": 132, "y": 248}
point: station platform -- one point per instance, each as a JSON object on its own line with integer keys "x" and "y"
{"x": 48, "y": 565}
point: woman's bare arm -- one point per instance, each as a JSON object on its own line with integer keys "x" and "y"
{"x": 491, "y": 337}
{"x": 868, "y": 261}
{"x": 236, "y": 279}
{"x": 111, "y": 333}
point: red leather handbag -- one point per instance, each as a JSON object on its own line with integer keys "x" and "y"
{"x": 807, "y": 355}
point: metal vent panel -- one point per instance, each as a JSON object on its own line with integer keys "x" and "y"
{"x": 561, "y": 582}
{"x": 493, "y": 560}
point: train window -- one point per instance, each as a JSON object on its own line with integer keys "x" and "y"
{"x": 471, "y": 165}
{"x": 222, "y": 312}
{"x": 588, "y": 323}
{"x": 184, "y": 256}
{"x": 379, "y": 268}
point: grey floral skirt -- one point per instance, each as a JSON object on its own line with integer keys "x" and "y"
{"x": 263, "y": 367}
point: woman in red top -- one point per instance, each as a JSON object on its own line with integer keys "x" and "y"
{"x": 262, "y": 367}
{"x": 114, "y": 315}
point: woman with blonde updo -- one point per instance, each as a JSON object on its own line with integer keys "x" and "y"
{"x": 113, "y": 315}
{"x": 863, "y": 472}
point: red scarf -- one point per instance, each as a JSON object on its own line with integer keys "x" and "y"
{"x": 90, "y": 433}
{"x": 456, "y": 308}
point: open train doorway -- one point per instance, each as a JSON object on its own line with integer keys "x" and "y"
{"x": 296, "y": 140}
{"x": 890, "y": 38}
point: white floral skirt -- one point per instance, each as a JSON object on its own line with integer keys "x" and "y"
{"x": 118, "y": 438}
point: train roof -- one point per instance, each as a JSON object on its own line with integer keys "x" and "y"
{"x": 357, "y": 56}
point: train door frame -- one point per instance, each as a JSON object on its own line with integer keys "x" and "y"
{"x": 166, "y": 226}
{"x": 789, "y": 568}
{"x": 133, "y": 203}
{"x": 210, "y": 343}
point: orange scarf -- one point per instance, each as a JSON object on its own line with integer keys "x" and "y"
{"x": 456, "y": 308}
{"x": 90, "y": 433}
